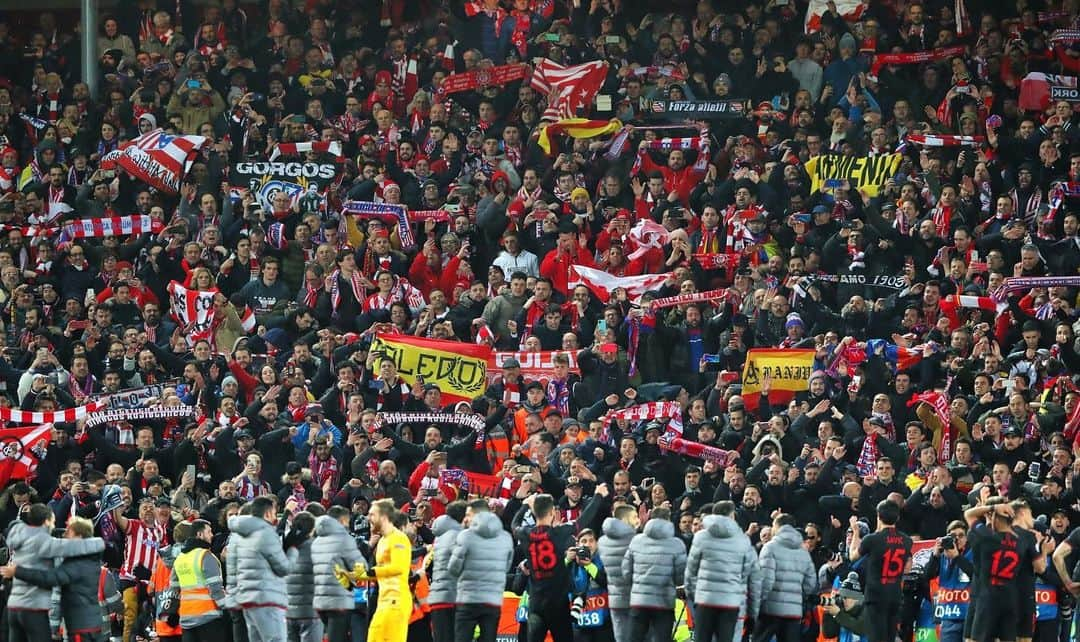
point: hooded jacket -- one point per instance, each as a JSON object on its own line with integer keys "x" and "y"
{"x": 443, "y": 585}
{"x": 33, "y": 547}
{"x": 332, "y": 546}
{"x": 722, "y": 567}
{"x": 787, "y": 574}
{"x": 261, "y": 565}
{"x": 299, "y": 583}
{"x": 612, "y": 547}
{"x": 481, "y": 559}
{"x": 655, "y": 563}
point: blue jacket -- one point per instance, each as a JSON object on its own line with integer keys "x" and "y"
{"x": 326, "y": 428}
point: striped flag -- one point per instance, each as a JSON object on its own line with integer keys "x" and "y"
{"x": 295, "y": 149}
{"x": 603, "y": 284}
{"x": 247, "y": 319}
{"x": 162, "y": 166}
{"x": 575, "y": 87}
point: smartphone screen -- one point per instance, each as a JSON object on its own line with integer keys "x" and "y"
{"x": 191, "y": 470}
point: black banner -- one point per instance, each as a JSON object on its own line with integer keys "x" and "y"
{"x": 305, "y": 183}
{"x": 699, "y": 109}
{"x": 1071, "y": 94}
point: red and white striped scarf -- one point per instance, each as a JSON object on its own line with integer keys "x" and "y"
{"x": 945, "y": 140}
{"x": 1033, "y": 204}
{"x": 335, "y": 292}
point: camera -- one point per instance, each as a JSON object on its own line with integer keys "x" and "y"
{"x": 257, "y": 97}
{"x": 948, "y": 543}
{"x": 583, "y": 553}
{"x": 828, "y": 600}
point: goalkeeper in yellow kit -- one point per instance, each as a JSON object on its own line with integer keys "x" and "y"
{"x": 393, "y": 555}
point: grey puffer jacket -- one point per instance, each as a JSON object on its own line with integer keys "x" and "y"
{"x": 787, "y": 574}
{"x": 612, "y": 547}
{"x": 299, "y": 582}
{"x": 655, "y": 563}
{"x": 443, "y": 585}
{"x": 35, "y": 547}
{"x": 482, "y": 556}
{"x": 261, "y": 565}
{"x": 229, "y": 553}
{"x": 722, "y": 567}
{"x": 333, "y": 546}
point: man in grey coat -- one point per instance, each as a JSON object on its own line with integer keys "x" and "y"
{"x": 722, "y": 576}
{"x": 32, "y": 546}
{"x": 301, "y": 620}
{"x": 334, "y": 551}
{"x": 655, "y": 564}
{"x": 442, "y": 596}
{"x": 787, "y": 580}
{"x": 619, "y": 530}
{"x": 261, "y": 569}
{"x": 482, "y": 556}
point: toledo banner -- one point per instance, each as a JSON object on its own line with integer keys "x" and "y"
{"x": 863, "y": 173}
{"x": 458, "y": 369}
{"x": 790, "y": 371}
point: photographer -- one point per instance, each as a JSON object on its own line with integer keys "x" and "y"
{"x": 952, "y": 563}
{"x": 590, "y": 605}
{"x": 845, "y": 616}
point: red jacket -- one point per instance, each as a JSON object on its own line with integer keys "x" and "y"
{"x": 556, "y": 266}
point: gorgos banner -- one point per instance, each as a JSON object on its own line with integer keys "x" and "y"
{"x": 298, "y": 179}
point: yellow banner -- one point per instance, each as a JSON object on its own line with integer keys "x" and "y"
{"x": 866, "y": 173}
{"x": 458, "y": 369}
{"x": 790, "y": 371}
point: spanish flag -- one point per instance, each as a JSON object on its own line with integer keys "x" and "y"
{"x": 459, "y": 369}
{"x": 575, "y": 128}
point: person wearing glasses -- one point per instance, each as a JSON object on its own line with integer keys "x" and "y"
{"x": 953, "y": 565}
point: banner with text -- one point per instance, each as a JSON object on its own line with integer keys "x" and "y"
{"x": 458, "y": 369}
{"x": 305, "y": 183}
{"x": 863, "y": 173}
{"x": 698, "y": 109}
{"x": 789, "y": 369}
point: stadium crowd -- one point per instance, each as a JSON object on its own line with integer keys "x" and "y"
{"x": 809, "y": 359}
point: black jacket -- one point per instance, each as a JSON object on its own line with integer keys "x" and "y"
{"x": 78, "y": 579}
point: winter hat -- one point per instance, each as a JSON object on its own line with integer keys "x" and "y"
{"x": 850, "y": 588}
{"x": 794, "y": 319}
{"x": 847, "y": 41}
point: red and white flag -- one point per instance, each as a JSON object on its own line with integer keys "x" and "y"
{"x": 647, "y": 235}
{"x": 159, "y": 159}
{"x": 603, "y": 284}
{"x": 113, "y": 226}
{"x": 850, "y": 10}
{"x": 247, "y": 319}
{"x": 148, "y": 141}
{"x": 193, "y": 310}
{"x": 295, "y": 149}
{"x": 20, "y": 451}
{"x": 1035, "y": 89}
{"x": 69, "y": 415}
{"x": 576, "y": 87}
